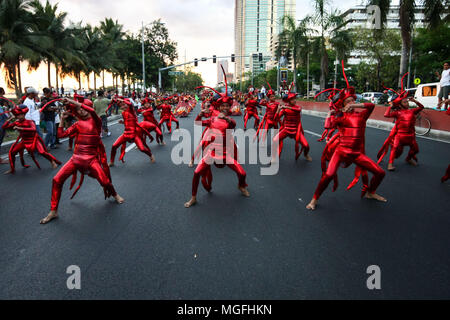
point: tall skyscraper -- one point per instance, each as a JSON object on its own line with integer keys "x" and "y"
{"x": 256, "y": 22}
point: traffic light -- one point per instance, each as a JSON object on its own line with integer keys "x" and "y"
{"x": 284, "y": 75}
{"x": 260, "y": 56}
{"x": 232, "y": 58}
{"x": 196, "y": 62}
{"x": 214, "y": 59}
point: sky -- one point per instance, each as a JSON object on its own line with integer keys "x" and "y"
{"x": 201, "y": 28}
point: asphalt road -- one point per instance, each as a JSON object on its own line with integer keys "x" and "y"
{"x": 229, "y": 247}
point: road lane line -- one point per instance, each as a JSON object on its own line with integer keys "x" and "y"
{"x": 130, "y": 147}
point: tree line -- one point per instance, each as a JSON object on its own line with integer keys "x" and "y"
{"x": 323, "y": 37}
{"x": 40, "y": 33}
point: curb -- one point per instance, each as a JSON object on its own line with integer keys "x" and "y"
{"x": 437, "y": 135}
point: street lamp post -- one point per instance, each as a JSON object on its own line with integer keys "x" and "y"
{"x": 143, "y": 58}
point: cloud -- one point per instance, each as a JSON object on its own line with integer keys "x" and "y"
{"x": 201, "y": 28}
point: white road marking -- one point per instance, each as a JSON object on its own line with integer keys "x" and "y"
{"x": 313, "y": 133}
{"x": 130, "y": 147}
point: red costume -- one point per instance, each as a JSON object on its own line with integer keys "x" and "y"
{"x": 251, "y": 110}
{"x": 403, "y": 134}
{"x": 28, "y": 140}
{"x": 446, "y": 176}
{"x": 291, "y": 127}
{"x": 270, "y": 119}
{"x": 166, "y": 115}
{"x": 89, "y": 156}
{"x": 218, "y": 146}
{"x": 150, "y": 124}
{"x": 133, "y": 133}
{"x": 351, "y": 126}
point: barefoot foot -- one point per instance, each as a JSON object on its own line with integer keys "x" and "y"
{"x": 153, "y": 159}
{"x": 375, "y": 196}
{"x": 52, "y": 215}
{"x": 191, "y": 164}
{"x": 119, "y": 199}
{"x": 111, "y": 164}
{"x": 54, "y": 165}
{"x": 391, "y": 167}
{"x": 308, "y": 158}
{"x": 191, "y": 202}
{"x": 312, "y": 205}
{"x": 9, "y": 172}
{"x": 244, "y": 192}
{"x": 412, "y": 162}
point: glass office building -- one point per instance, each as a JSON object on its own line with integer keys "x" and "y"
{"x": 256, "y": 22}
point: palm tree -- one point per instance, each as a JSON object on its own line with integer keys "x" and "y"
{"x": 17, "y": 41}
{"x": 50, "y": 25}
{"x": 433, "y": 10}
{"x": 330, "y": 27}
{"x": 292, "y": 42}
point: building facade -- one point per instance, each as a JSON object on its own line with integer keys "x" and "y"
{"x": 360, "y": 17}
{"x": 256, "y": 22}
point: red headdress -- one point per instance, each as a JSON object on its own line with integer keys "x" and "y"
{"x": 400, "y": 95}
{"x": 290, "y": 95}
{"x": 16, "y": 111}
{"x": 270, "y": 92}
{"x": 78, "y": 98}
{"x": 224, "y": 97}
{"x": 330, "y": 96}
{"x": 338, "y": 99}
{"x": 88, "y": 103}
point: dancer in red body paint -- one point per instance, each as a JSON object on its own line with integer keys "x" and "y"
{"x": 28, "y": 140}
{"x": 351, "y": 126}
{"x": 251, "y": 110}
{"x": 149, "y": 123}
{"x": 166, "y": 115}
{"x": 270, "y": 119}
{"x": 89, "y": 156}
{"x": 403, "y": 133}
{"x": 291, "y": 127}
{"x": 133, "y": 132}
{"x": 217, "y": 152}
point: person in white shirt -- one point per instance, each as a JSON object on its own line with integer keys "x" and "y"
{"x": 445, "y": 85}
{"x": 33, "y": 109}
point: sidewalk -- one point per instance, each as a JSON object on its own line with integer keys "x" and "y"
{"x": 6, "y": 144}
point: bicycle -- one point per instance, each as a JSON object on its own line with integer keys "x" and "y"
{"x": 422, "y": 125}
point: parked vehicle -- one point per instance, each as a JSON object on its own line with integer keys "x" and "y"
{"x": 372, "y": 96}
{"x": 427, "y": 94}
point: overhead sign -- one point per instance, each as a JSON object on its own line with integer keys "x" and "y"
{"x": 175, "y": 73}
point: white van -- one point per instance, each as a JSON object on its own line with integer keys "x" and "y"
{"x": 427, "y": 94}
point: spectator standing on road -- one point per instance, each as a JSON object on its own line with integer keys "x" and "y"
{"x": 3, "y": 118}
{"x": 49, "y": 119}
{"x": 445, "y": 85}
{"x": 33, "y": 111}
{"x": 263, "y": 93}
{"x": 100, "y": 106}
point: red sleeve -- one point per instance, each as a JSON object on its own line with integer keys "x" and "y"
{"x": 419, "y": 108}
{"x": 296, "y": 108}
{"x": 8, "y": 125}
{"x": 70, "y": 131}
{"x": 369, "y": 107}
{"x": 30, "y": 126}
{"x": 232, "y": 125}
{"x": 390, "y": 114}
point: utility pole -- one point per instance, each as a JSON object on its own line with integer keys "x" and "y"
{"x": 143, "y": 59}
{"x": 307, "y": 78}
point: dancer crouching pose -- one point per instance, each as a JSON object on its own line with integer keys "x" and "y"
{"x": 89, "y": 156}
{"x": 352, "y": 127}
